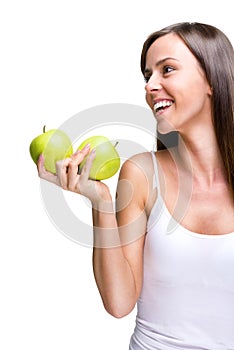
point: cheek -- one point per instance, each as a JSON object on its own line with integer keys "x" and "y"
{"x": 189, "y": 94}
{"x": 149, "y": 100}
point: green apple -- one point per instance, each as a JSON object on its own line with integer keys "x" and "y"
{"x": 54, "y": 145}
{"x": 107, "y": 160}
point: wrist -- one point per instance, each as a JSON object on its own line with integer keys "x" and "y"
{"x": 103, "y": 204}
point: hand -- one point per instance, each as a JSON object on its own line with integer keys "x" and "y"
{"x": 67, "y": 176}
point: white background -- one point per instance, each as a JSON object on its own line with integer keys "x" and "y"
{"x": 57, "y": 59}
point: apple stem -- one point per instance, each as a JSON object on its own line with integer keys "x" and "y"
{"x": 116, "y": 144}
{"x": 44, "y": 129}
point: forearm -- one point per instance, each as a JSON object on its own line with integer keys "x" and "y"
{"x": 112, "y": 271}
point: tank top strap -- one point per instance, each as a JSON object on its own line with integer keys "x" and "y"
{"x": 156, "y": 183}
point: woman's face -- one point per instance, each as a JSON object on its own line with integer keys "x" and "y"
{"x": 176, "y": 88}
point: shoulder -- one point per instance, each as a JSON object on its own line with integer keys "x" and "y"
{"x": 138, "y": 166}
{"x": 137, "y": 177}
{"x": 141, "y": 165}
{"x": 134, "y": 178}
{"x": 166, "y": 161}
{"x": 164, "y": 155}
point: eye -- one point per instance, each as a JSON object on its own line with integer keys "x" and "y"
{"x": 168, "y": 69}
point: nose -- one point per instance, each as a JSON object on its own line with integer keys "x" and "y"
{"x": 153, "y": 84}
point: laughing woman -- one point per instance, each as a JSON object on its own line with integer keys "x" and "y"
{"x": 168, "y": 246}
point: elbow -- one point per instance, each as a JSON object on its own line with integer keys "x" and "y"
{"x": 117, "y": 314}
{"x": 118, "y": 311}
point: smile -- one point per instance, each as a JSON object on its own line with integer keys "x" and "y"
{"x": 162, "y": 105}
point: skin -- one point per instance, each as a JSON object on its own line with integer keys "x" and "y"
{"x": 197, "y": 158}
{"x": 119, "y": 237}
{"x": 177, "y": 78}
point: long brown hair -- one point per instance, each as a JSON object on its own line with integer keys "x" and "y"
{"x": 214, "y": 52}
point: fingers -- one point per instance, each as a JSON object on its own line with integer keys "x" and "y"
{"x": 40, "y": 165}
{"x": 84, "y": 176}
{"x": 67, "y": 169}
{"x": 61, "y": 171}
{"x": 72, "y": 174}
{"x": 43, "y": 173}
{"x": 79, "y": 156}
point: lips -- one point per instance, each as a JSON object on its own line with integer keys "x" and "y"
{"x": 161, "y": 105}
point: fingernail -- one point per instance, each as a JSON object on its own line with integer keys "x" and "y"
{"x": 93, "y": 152}
{"x": 87, "y": 146}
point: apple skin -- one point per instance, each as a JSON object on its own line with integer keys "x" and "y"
{"x": 54, "y": 145}
{"x": 107, "y": 160}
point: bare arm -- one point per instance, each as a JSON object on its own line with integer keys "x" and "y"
{"x": 119, "y": 241}
{"x": 118, "y": 237}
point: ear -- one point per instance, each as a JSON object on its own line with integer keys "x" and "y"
{"x": 210, "y": 90}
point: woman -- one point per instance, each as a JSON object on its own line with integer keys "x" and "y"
{"x": 181, "y": 278}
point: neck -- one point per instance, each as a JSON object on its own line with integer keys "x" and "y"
{"x": 201, "y": 160}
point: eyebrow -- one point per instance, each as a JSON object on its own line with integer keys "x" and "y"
{"x": 160, "y": 62}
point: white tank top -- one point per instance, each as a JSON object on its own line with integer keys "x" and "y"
{"x": 187, "y": 299}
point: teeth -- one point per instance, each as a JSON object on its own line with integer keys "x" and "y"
{"x": 164, "y": 103}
